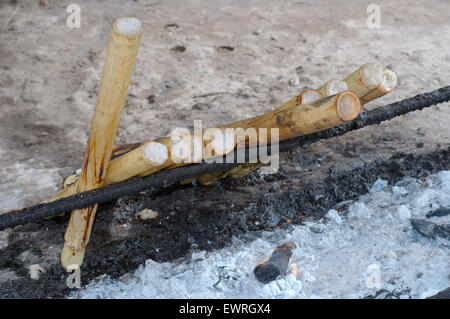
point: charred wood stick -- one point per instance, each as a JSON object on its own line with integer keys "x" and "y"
{"x": 163, "y": 179}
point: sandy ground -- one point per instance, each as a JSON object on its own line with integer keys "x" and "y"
{"x": 215, "y": 61}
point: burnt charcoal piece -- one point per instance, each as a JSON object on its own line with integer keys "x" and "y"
{"x": 440, "y": 212}
{"x": 276, "y": 265}
{"x": 429, "y": 229}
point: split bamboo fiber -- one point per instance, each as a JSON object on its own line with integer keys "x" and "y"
{"x": 121, "y": 54}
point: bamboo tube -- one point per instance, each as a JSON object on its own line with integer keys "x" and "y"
{"x": 142, "y": 161}
{"x": 305, "y": 118}
{"x": 292, "y": 119}
{"x": 310, "y": 95}
{"x": 387, "y": 85}
{"x": 121, "y": 54}
{"x": 332, "y": 87}
{"x": 362, "y": 79}
{"x": 367, "y": 78}
{"x": 149, "y": 154}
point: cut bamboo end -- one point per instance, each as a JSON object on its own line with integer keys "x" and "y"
{"x": 387, "y": 85}
{"x": 389, "y": 81}
{"x": 332, "y": 87}
{"x": 310, "y": 95}
{"x": 348, "y": 106}
{"x": 371, "y": 75}
{"x": 155, "y": 154}
{"x": 128, "y": 26}
{"x": 365, "y": 79}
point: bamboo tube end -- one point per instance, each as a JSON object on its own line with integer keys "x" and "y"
{"x": 128, "y": 26}
{"x": 348, "y": 106}
{"x": 71, "y": 257}
{"x": 389, "y": 81}
{"x": 371, "y": 75}
{"x": 309, "y": 95}
{"x": 335, "y": 87}
{"x": 155, "y": 153}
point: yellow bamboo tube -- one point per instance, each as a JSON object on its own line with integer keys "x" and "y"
{"x": 332, "y": 87}
{"x": 387, "y": 85}
{"x": 306, "y": 118}
{"x": 149, "y": 154}
{"x": 292, "y": 119}
{"x": 152, "y": 156}
{"x": 361, "y": 82}
{"x": 367, "y": 78}
{"x": 121, "y": 54}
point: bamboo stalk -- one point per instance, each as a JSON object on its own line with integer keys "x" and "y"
{"x": 387, "y": 85}
{"x": 149, "y": 154}
{"x": 306, "y": 118}
{"x": 308, "y": 95}
{"x": 292, "y": 119}
{"x": 124, "y": 41}
{"x": 361, "y": 82}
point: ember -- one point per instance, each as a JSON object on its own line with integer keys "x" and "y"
{"x": 277, "y": 264}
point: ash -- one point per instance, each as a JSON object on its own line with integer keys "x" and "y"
{"x": 363, "y": 249}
